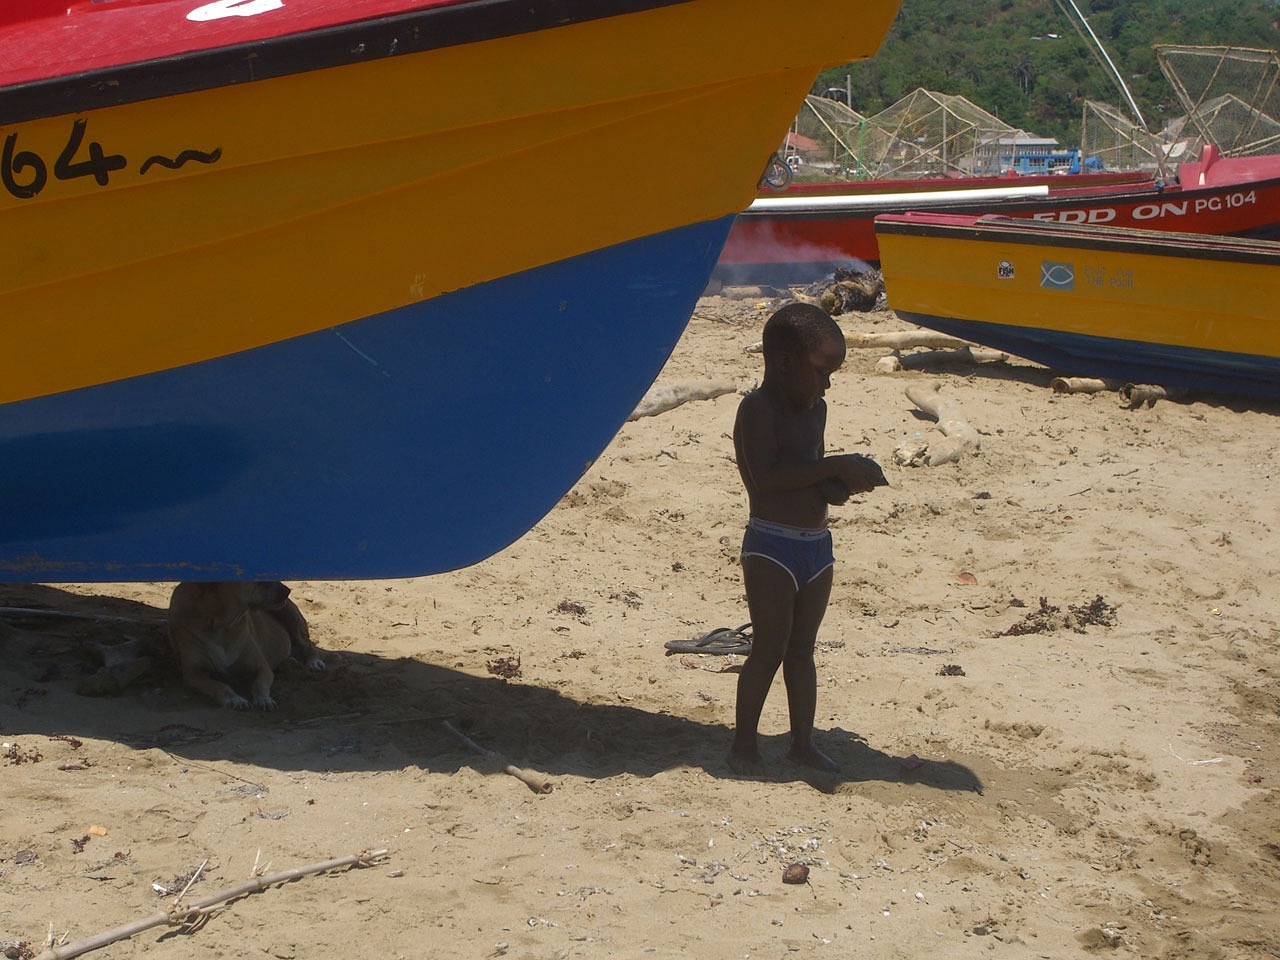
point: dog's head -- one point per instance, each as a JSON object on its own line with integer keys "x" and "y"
{"x": 264, "y": 594}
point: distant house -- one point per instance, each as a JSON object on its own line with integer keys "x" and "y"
{"x": 807, "y": 147}
{"x": 1023, "y": 152}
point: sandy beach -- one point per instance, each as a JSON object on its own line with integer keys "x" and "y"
{"x": 1049, "y": 673}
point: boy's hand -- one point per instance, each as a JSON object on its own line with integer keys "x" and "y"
{"x": 860, "y": 474}
{"x": 834, "y": 490}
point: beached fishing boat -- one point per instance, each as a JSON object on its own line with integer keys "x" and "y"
{"x": 305, "y": 290}
{"x": 796, "y": 239}
{"x": 826, "y": 188}
{"x": 1143, "y": 306}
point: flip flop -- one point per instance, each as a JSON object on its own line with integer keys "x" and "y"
{"x": 721, "y": 640}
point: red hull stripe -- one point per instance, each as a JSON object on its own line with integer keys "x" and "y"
{"x": 200, "y": 56}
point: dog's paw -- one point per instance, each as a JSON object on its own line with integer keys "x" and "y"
{"x": 316, "y": 664}
{"x": 235, "y": 702}
{"x": 264, "y": 703}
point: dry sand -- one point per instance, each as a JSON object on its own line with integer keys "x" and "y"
{"x": 1084, "y": 785}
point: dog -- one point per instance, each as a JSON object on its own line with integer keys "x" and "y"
{"x": 224, "y": 633}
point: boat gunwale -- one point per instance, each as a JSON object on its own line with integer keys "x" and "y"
{"x": 1035, "y": 204}
{"x": 997, "y": 228}
{"x": 343, "y": 44}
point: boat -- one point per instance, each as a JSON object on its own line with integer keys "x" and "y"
{"x": 296, "y": 290}
{"x": 1178, "y": 310}
{"x": 799, "y": 239}
{"x": 957, "y": 181}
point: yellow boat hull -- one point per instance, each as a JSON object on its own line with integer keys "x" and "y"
{"x": 371, "y": 299}
{"x": 1181, "y": 310}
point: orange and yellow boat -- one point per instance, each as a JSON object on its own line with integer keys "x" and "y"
{"x": 321, "y": 290}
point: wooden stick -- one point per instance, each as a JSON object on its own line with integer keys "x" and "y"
{"x": 179, "y": 915}
{"x": 668, "y": 396}
{"x": 531, "y": 780}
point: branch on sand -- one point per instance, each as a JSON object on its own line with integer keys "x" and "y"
{"x": 666, "y": 397}
{"x": 531, "y": 780}
{"x": 179, "y": 914}
{"x": 959, "y": 437}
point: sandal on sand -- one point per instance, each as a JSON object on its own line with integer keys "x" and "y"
{"x": 722, "y": 640}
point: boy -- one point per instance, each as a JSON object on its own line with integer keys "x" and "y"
{"x": 786, "y": 552}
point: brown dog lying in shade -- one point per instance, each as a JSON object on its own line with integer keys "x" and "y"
{"x": 225, "y": 633}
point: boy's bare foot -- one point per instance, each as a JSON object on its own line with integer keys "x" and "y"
{"x": 746, "y": 764}
{"x": 811, "y": 756}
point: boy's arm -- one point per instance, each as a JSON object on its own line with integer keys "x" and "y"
{"x": 760, "y": 452}
{"x": 759, "y": 455}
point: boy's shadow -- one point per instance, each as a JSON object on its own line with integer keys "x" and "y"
{"x": 366, "y": 712}
{"x": 860, "y": 762}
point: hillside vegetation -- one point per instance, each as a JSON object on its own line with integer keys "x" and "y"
{"x": 1026, "y": 62}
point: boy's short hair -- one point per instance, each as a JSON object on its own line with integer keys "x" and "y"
{"x": 799, "y": 328}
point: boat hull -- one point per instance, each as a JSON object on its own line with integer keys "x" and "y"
{"x": 1178, "y": 310}
{"x": 368, "y": 318}
{"x": 804, "y": 242}
{"x": 419, "y": 440}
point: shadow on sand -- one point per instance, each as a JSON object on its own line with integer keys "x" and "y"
{"x": 366, "y": 712}
{"x": 959, "y": 368}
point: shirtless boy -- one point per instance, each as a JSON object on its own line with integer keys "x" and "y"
{"x": 786, "y": 553}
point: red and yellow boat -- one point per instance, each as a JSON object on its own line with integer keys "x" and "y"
{"x": 306, "y": 289}
{"x": 798, "y": 237}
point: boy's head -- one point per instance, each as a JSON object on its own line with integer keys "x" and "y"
{"x": 799, "y": 328}
{"x": 803, "y": 346}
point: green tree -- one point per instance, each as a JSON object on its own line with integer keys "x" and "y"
{"x": 1003, "y": 55}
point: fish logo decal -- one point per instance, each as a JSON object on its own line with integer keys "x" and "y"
{"x": 1057, "y": 276}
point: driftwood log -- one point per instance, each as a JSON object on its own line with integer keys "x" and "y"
{"x": 902, "y": 340}
{"x": 752, "y": 291}
{"x": 1134, "y": 395}
{"x": 891, "y": 340}
{"x": 966, "y": 355}
{"x": 1081, "y": 385}
{"x": 959, "y": 437}
{"x": 665, "y": 397}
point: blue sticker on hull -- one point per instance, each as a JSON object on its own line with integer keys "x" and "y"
{"x": 1057, "y": 276}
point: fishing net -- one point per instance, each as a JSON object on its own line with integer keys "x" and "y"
{"x": 1230, "y": 95}
{"x": 1119, "y": 143}
{"x": 930, "y": 134}
{"x": 826, "y": 135}
{"x": 926, "y": 134}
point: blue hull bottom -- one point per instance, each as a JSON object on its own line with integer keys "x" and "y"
{"x": 1213, "y": 371}
{"x": 413, "y": 442}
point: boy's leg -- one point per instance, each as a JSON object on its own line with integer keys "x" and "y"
{"x": 770, "y": 599}
{"x": 801, "y": 675}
